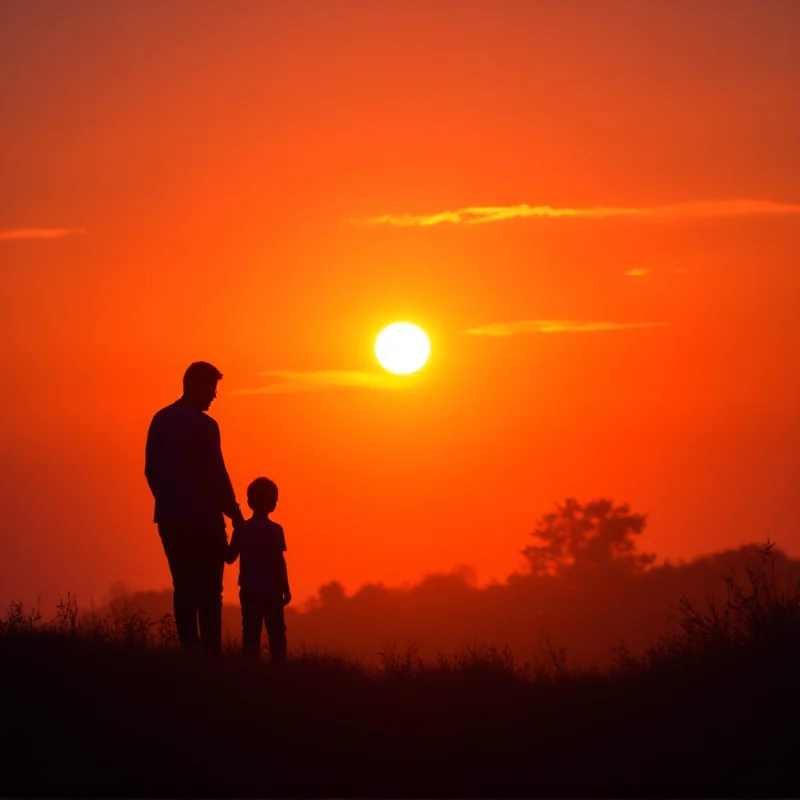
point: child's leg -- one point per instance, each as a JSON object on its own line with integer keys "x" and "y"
{"x": 276, "y": 630}
{"x": 251, "y": 624}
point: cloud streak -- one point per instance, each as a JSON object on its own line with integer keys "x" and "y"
{"x": 289, "y": 382}
{"x": 557, "y": 326}
{"x": 39, "y": 233}
{"x": 478, "y": 215}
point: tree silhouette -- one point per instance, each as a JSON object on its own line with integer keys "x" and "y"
{"x": 592, "y": 536}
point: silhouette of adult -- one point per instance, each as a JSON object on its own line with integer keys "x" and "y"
{"x": 192, "y": 490}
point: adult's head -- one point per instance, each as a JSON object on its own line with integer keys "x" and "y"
{"x": 200, "y": 384}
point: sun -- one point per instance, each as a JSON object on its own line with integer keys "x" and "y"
{"x": 402, "y": 348}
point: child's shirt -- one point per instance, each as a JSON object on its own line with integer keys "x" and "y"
{"x": 260, "y": 544}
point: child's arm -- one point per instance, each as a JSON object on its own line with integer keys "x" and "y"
{"x": 280, "y": 568}
{"x": 232, "y": 550}
{"x": 286, "y": 595}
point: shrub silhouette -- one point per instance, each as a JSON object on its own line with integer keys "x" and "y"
{"x": 758, "y": 618}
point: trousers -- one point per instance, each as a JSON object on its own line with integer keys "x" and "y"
{"x": 261, "y": 608}
{"x": 196, "y": 556}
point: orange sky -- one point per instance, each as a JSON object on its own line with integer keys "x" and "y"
{"x": 197, "y": 180}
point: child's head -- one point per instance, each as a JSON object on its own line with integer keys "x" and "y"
{"x": 262, "y": 495}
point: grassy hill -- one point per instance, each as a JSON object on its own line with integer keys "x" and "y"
{"x": 112, "y": 708}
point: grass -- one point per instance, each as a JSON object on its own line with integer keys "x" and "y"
{"x": 111, "y": 707}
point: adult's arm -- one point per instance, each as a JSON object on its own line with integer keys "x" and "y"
{"x": 152, "y": 454}
{"x": 220, "y": 480}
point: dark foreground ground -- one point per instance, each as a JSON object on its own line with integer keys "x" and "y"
{"x": 110, "y": 708}
{"x": 86, "y": 719}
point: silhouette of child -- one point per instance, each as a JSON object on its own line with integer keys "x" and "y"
{"x": 263, "y": 578}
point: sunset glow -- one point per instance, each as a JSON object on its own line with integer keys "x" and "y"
{"x": 443, "y": 355}
{"x": 590, "y": 209}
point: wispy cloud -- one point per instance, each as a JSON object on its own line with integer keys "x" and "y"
{"x": 476, "y": 215}
{"x": 557, "y": 326}
{"x": 288, "y": 382}
{"x": 637, "y": 273}
{"x": 39, "y": 233}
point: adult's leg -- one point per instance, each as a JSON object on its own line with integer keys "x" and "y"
{"x": 211, "y": 564}
{"x": 177, "y": 547}
{"x": 252, "y": 616}
{"x": 276, "y": 630}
